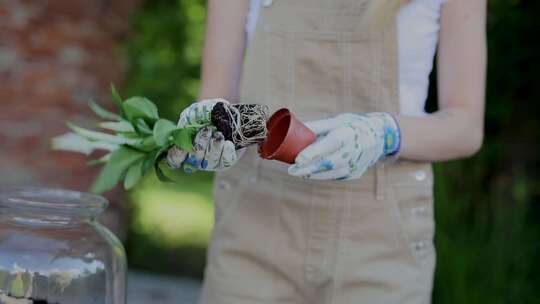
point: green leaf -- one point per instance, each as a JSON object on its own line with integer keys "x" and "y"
{"x": 151, "y": 158}
{"x": 72, "y": 142}
{"x": 133, "y": 175}
{"x": 142, "y": 127}
{"x": 130, "y": 135}
{"x": 102, "y": 160}
{"x": 140, "y": 107}
{"x": 183, "y": 138}
{"x": 160, "y": 175}
{"x": 117, "y": 99}
{"x": 162, "y": 131}
{"x": 117, "y": 126}
{"x": 113, "y": 170}
{"x": 76, "y": 143}
{"x": 147, "y": 144}
{"x": 102, "y": 113}
{"x": 149, "y": 161}
{"x": 100, "y": 136}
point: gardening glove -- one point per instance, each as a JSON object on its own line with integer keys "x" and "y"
{"x": 347, "y": 145}
{"x": 199, "y": 113}
{"x": 211, "y": 151}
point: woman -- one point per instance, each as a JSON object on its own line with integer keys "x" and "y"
{"x": 355, "y": 228}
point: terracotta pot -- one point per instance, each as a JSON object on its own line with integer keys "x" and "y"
{"x": 287, "y": 136}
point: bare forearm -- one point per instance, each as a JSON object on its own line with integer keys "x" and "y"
{"x": 223, "y": 49}
{"x": 456, "y": 130}
{"x": 448, "y": 134}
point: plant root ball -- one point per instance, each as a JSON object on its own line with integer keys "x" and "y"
{"x": 248, "y": 129}
{"x": 222, "y": 121}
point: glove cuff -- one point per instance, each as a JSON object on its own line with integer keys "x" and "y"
{"x": 392, "y": 136}
{"x": 390, "y": 133}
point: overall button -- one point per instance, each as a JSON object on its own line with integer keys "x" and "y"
{"x": 419, "y": 175}
{"x": 267, "y": 3}
{"x": 223, "y": 184}
{"x": 420, "y": 245}
{"x": 419, "y": 211}
{"x": 422, "y": 250}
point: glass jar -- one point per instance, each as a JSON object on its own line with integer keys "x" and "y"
{"x": 52, "y": 250}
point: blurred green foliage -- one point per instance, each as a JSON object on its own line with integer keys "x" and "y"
{"x": 487, "y": 207}
{"x": 487, "y": 211}
{"x": 165, "y": 53}
{"x": 170, "y": 223}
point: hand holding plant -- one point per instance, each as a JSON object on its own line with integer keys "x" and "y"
{"x": 207, "y": 137}
{"x": 137, "y": 140}
{"x": 211, "y": 150}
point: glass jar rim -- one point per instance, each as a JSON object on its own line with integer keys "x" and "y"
{"x": 41, "y": 200}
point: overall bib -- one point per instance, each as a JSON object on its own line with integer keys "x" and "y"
{"x": 281, "y": 239}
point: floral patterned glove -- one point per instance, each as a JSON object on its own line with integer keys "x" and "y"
{"x": 211, "y": 151}
{"x": 347, "y": 145}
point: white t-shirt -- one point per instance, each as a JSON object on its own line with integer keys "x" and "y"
{"x": 418, "y": 35}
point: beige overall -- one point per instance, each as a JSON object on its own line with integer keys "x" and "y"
{"x": 280, "y": 239}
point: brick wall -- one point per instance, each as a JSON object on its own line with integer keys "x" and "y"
{"x": 54, "y": 57}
